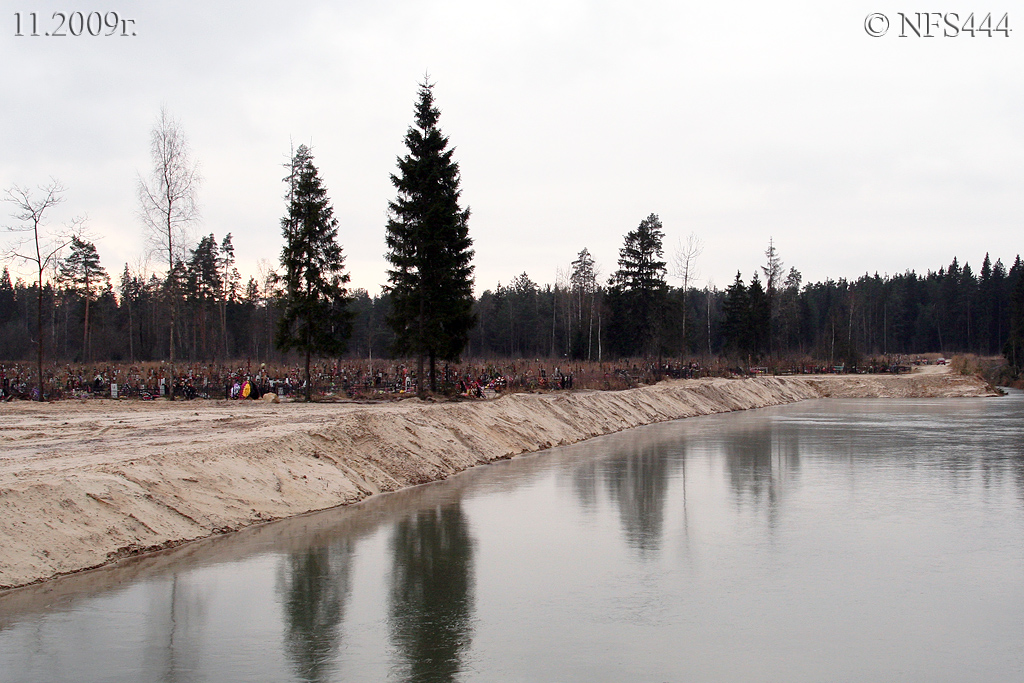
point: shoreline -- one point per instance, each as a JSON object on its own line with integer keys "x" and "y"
{"x": 85, "y": 484}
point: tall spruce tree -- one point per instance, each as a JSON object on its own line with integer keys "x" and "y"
{"x": 760, "y": 316}
{"x": 736, "y": 316}
{"x": 316, "y": 317}
{"x": 639, "y": 284}
{"x": 429, "y": 248}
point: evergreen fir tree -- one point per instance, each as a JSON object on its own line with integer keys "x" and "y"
{"x": 984, "y": 304}
{"x": 640, "y": 282}
{"x": 759, "y": 317}
{"x": 316, "y": 318}
{"x": 1001, "y": 305}
{"x": 736, "y": 316}
{"x": 429, "y": 248}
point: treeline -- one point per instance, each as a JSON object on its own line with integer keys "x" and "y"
{"x": 950, "y": 310}
{"x": 770, "y": 316}
{"x": 199, "y": 309}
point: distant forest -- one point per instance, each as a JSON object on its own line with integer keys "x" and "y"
{"x": 770, "y": 315}
{"x": 198, "y": 308}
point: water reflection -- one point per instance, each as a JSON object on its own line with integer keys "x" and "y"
{"x": 1018, "y": 471}
{"x": 637, "y": 482}
{"x": 585, "y": 486}
{"x": 431, "y": 593}
{"x": 175, "y": 631}
{"x": 761, "y": 462}
{"x": 314, "y": 585}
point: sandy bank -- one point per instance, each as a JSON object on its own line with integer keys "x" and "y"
{"x": 83, "y": 484}
{"x": 925, "y": 382}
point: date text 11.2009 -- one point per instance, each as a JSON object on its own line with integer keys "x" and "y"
{"x": 63, "y": 24}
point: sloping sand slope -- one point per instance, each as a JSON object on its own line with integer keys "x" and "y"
{"x": 933, "y": 382}
{"x": 83, "y": 484}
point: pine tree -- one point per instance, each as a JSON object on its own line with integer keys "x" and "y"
{"x": 584, "y": 286}
{"x": 773, "y": 275}
{"x": 130, "y": 289}
{"x": 82, "y": 271}
{"x": 202, "y": 286}
{"x": 316, "y": 317}
{"x": 429, "y": 248}
{"x": 230, "y": 280}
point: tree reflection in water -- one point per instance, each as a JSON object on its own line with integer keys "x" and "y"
{"x": 638, "y": 483}
{"x": 176, "y": 630}
{"x": 432, "y": 592}
{"x": 636, "y": 479}
{"x": 314, "y": 586}
{"x": 1018, "y": 466}
{"x": 761, "y": 461}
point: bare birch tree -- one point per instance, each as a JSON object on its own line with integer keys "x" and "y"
{"x": 684, "y": 267}
{"x": 168, "y": 204}
{"x": 39, "y": 248}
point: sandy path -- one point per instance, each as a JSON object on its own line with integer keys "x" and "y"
{"x": 86, "y": 483}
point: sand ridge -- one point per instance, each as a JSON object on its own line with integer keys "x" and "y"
{"x": 85, "y": 483}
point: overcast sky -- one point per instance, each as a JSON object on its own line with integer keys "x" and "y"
{"x": 572, "y": 121}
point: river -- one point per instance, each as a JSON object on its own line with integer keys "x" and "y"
{"x": 830, "y": 540}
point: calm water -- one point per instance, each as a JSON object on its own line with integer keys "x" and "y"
{"x": 826, "y": 541}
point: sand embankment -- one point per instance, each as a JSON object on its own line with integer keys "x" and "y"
{"x": 85, "y": 483}
{"x": 925, "y": 382}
